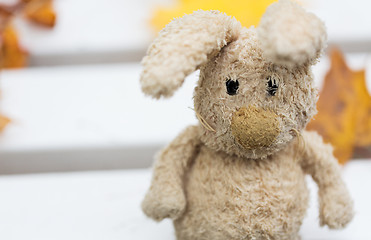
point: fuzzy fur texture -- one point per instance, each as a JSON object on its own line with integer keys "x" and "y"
{"x": 243, "y": 60}
{"x": 239, "y": 181}
{"x": 181, "y": 47}
{"x": 290, "y": 36}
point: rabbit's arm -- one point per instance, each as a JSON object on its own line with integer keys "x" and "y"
{"x": 166, "y": 198}
{"x": 336, "y": 205}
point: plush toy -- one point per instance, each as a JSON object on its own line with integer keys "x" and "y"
{"x": 240, "y": 173}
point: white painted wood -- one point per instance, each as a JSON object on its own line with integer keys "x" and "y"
{"x": 86, "y": 112}
{"x": 106, "y": 205}
{"x": 87, "y": 106}
{"x": 89, "y": 31}
{"x": 97, "y": 31}
{"x": 94, "y": 117}
{"x": 346, "y": 21}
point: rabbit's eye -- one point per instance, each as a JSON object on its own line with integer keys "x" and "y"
{"x": 232, "y": 86}
{"x": 272, "y": 86}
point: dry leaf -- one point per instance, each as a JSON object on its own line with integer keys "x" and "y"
{"x": 363, "y": 119}
{"x": 344, "y": 109}
{"x": 12, "y": 55}
{"x": 3, "y": 122}
{"x": 41, "y": 12}
{"x": 38, "y": 11}
{"x": 248, "y": 12}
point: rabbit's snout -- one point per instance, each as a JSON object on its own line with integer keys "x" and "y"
{"x": 254, "y": 127}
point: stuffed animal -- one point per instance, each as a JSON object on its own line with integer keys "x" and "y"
{"x": 240, "y": 173}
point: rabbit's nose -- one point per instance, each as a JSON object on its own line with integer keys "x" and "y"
{"x": 254, "y": 127}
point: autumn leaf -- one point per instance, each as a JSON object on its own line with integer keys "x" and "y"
{"x": 41, "y": 12}
{"x": 3, "y": 122}
{"x": 248, "y": 12}
{"x": 37, "y": 11}
{"x": 344, "y": 109}
{"x": 363, "y": 119}
{"x": 12, "y": 55}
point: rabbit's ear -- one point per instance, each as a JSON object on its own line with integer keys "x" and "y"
{"x": 181, "y": 47}
{"x": 290, "y": 36}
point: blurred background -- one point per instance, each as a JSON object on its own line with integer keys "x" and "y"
{"x": 69, "y": 84}
{"x": 71, "y": 101}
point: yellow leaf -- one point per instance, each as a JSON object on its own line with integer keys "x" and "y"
{"x": 248, "y": 12}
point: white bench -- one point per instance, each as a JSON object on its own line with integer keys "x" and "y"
{"x": 106, "y": 205}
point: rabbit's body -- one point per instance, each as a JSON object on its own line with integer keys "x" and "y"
{"x": 235, "y": 198}
{"x": 240, "y": 173}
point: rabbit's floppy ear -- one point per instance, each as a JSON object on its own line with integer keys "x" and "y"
{"x": 182, "y": 46}
{"x": 290, "y": 36}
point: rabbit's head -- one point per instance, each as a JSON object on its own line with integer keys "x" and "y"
{"x": 255, "y": 91}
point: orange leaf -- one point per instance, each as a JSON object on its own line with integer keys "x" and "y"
{"x": 41, "y": 12}
{"x": 12, "y": 55}
{"x": 344, "y": 109}
{"x": 3, "y": 122}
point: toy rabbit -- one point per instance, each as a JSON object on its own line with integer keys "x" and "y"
{"x": 240, "y": 173}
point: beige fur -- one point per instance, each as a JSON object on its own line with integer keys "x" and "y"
{"x": 291, "y": 36}
{"x": 227, "y": 178}
{"x": 181, "y": 47}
